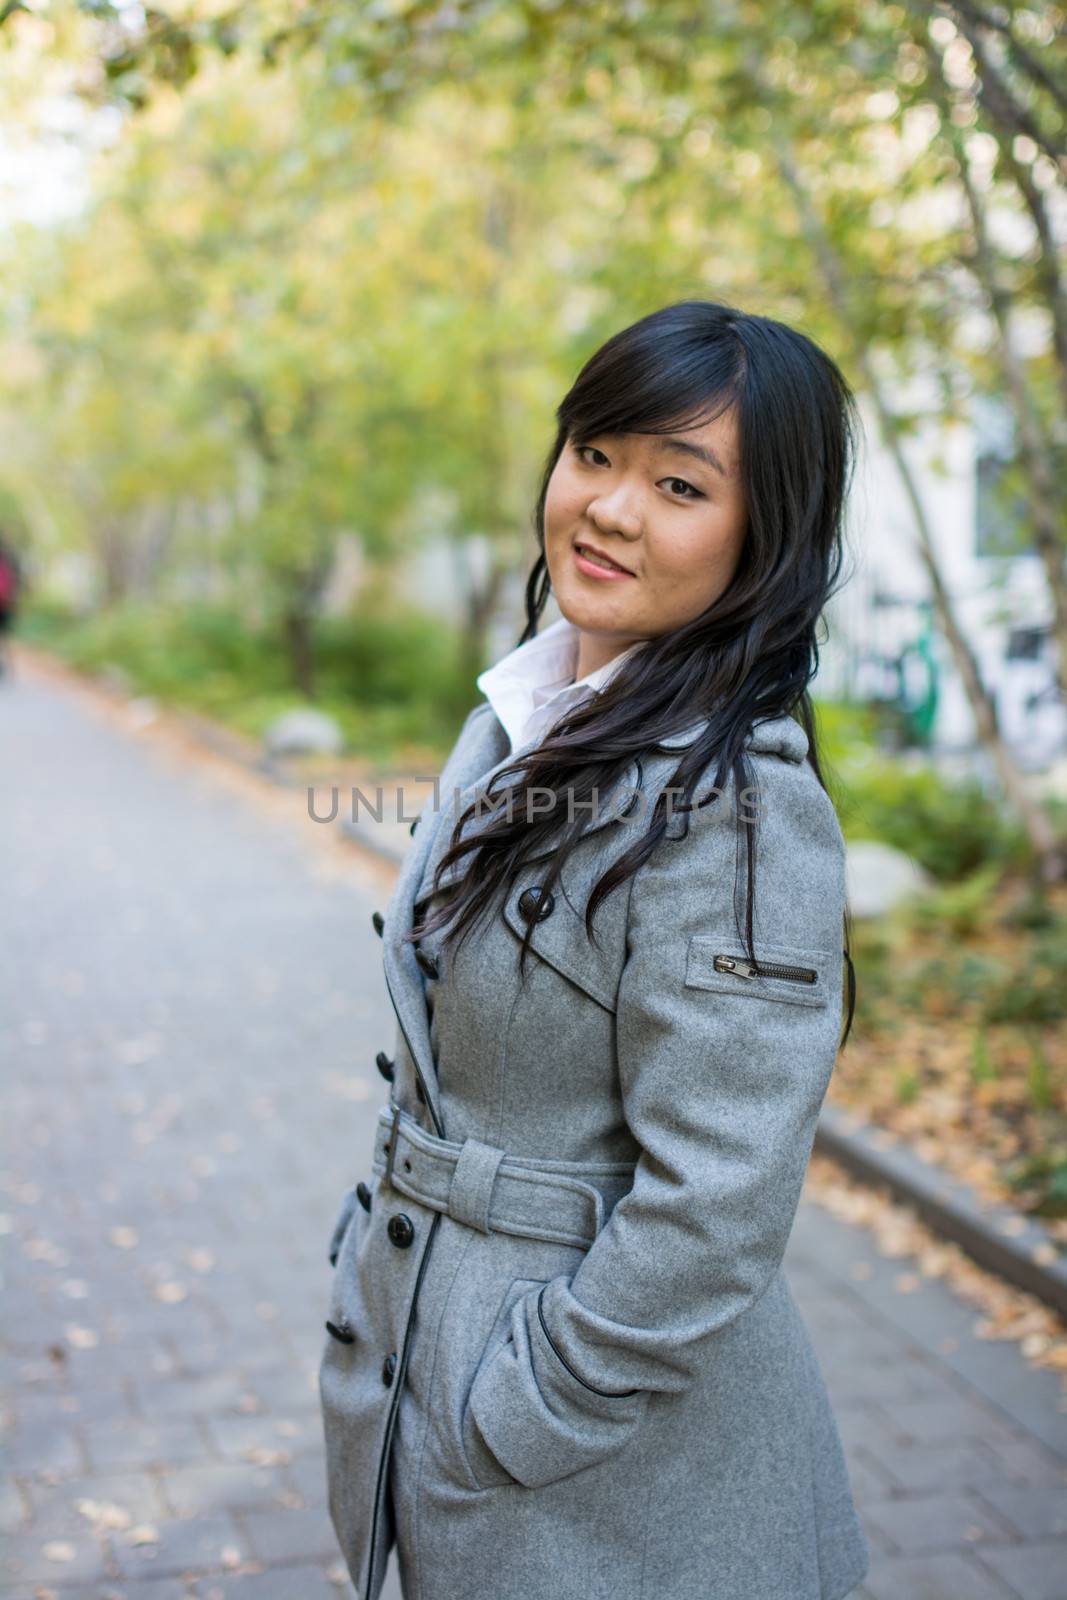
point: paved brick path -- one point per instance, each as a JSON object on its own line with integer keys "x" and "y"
{"x": 189, "y": 1012}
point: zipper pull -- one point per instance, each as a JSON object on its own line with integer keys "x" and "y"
{"x": 767, "y": 969}
{"x": 741, "y": 969}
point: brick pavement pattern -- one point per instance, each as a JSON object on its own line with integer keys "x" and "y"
{"x": 189, "y": 1015}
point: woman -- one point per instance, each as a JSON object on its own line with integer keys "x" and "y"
{"x": 563, "y": 1362}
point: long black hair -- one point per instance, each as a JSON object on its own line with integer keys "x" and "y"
{"x": 748, "y": 656}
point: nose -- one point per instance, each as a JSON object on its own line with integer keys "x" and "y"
{"x": 616, "y": 511}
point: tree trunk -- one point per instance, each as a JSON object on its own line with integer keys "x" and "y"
{"x": 1034, "y": 450}
{"x": 298, "y": 637}
{"x": 1013, "y": 111}
{"x": 1048, "y": 850}
{"x": 113, "y": 552}
{"x": 480, "y": 601}
{"x": 1047, "y": 268}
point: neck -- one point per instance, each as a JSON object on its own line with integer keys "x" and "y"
{"x": 595, "y": 650}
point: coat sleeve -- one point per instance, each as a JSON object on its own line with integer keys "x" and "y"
{"x": 722, "y": 1078}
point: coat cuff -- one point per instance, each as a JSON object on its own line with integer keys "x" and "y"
{"x": 537, "y": 1417}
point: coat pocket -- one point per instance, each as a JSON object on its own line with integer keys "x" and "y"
{"x": 529, "y": 1413}
{"x": 485, "y": 1470}
{"x": 795, "y": 974}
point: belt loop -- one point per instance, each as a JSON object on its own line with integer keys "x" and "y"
{"x": 471, "y": 1188}
{"x": 392, "y": 1146}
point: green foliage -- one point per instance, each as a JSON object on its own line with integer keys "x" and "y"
{"x": 199, "y": 655}
{"x": 1034, "y": 985}
{"x": 963, "y": 908}
{"x": 983, "y": 1069}
{"x": 1032, "y": 911}
{"x": 964, "y": 977}
{"x": 346, "y": 295}
{"x": 951, "y": 828}
{"x": 906, "y": 1086}
{"x": 389, "y": 680}
{"x": 391, "y": 658}
{"x": 1042, "y": 1177}
{"x": 842, "y": 728}
{"x": 956, "y": 830}
{"x": 1039, "y": 1085}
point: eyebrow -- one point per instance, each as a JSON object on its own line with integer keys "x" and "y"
{"x": 669, "y": 443}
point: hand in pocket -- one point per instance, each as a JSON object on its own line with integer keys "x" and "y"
{"x": 485, "y": 1470}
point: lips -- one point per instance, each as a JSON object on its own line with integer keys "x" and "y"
{"x": 583, "y": 545}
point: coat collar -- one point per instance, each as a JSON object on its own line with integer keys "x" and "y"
{"x": 482, "y": 749}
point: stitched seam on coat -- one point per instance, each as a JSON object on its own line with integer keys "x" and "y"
{"x": 502, "y": 1062}
{"x": 814, "y": 1497}
{"x": 609, "y": 1394}
{"x": 652, "y": 1482}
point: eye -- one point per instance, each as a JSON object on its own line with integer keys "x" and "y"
{"x": 694, "y": 494}
{"x": 689, "y": 491}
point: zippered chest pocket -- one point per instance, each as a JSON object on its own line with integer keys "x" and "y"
{"x": 798, "y": 975}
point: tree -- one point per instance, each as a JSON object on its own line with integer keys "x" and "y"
{"x": 862, "y": 170}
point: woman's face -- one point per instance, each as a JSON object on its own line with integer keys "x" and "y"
{"x": 668, "y": 508}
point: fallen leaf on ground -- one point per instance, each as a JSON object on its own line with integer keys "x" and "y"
{"x": 261, "y": 1456}
{"x": 103, "y": 1515}
{"x": 58, "y": 1550}
{"x": 144, "y": 1533}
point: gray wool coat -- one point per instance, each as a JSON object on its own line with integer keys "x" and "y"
{"x": 562, "y": 1359}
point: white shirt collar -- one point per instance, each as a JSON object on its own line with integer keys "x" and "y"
{"x": 532, "y": 686}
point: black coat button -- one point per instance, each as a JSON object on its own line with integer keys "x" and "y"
{"x": 389, "y": 1368}
{"x": 427, "y": 963}
{"x": 414, "y": 825}
{"x": 363, "y": 1195}
{"x": 378, "y": 921}
{"x": 401, "y": 1230}
{"x": 341, "y": 1332}
{"x": 386, "y": 1067}
{"x": 536, "y": 903}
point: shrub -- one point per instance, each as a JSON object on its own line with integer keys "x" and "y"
{"x": 950, "y": 827}
{"x": 389, "y": 678}
{"x": 964, "y": 908}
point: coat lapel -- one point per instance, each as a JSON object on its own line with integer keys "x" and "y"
{"x": 481, "y": 747}
{"x": 560, "y": 937}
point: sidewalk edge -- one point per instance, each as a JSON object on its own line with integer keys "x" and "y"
{"x": 1005, "y": 1241}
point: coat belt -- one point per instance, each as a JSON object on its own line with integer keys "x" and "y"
{"x": 486, "y": 1189}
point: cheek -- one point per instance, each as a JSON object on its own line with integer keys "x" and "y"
{"x": 702, "y": 557}
{"x": 552, "y": 507}
{"x": 562, "y": 502}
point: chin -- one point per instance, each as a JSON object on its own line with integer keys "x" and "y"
{"x": 584, "y": 612}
